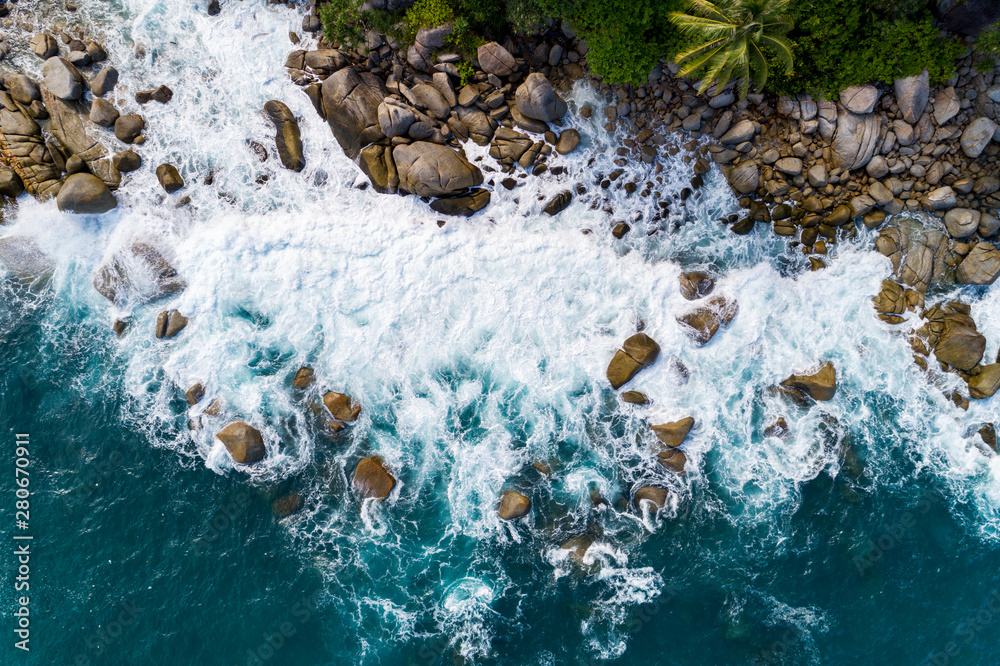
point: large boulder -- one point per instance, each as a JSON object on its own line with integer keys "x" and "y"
{"x": 537, "y": 99}
{"x": 744, "y": 178}
{"x": 696, "y": 285}
{"x": 68, "y": 122}
{"x": 427, "y": 42}
{"x": 104, "y": 81}
{"x": 639, "y": 351}
{"x": 11, "y": 184}
{"x": 62, "y": 79}
{"x": 495, "y": 59}
{"x": 946, "y": 105}
{"x": 432, "y": 100}
{"x": 960, "y": 346}
{"x": 657, "y": 496}
{"x": 350, "y": 101}
{"x": 820, "y": 385}
{"x": 513, "y": 505}
{"x": 341, "y": 406}
{"x": 912, "y": 93}
{"x": 739, "y": 133}
{"x": 376, "y": 163}
{"x": 856, "y": 139}
{"x": 244, "y": 442}
{"x": 395, "y": 117}
{"x": 860, "y": 99}
{"x": 463, "y": 205}
{"x": 44, "y": 45}
{"x": 137, "y": 274}
{"x": 170, "y": 179}
{"x": 985, "y": 384}
{"x": 704, "y": 322}
{"x": 941, "y": 198}
{"x": 977, "y": 136}
{"x": 980, "y": 266}
{"x": 372, "y": 479}
{"x": 85, "y": 193}
{"x": 288, "y": 140}
{"x": 674, "y": 433}
{"x": 24, "y": 150}
{"x": 432, "y": 170}
{"x": 962, "y": 222}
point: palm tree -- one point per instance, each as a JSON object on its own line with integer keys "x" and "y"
{"x": 737, "y": 32}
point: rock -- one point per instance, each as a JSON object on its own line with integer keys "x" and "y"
{"x": 127, "y": 161}
{"x": 855, "y": 141}
{"x": 986, "y": 185}
{"x": 85, "y": 194}
{"x": 372, "y": 479}
{"x": 311, "y": 24}
{"x": 877, "y": 167}
{"x": 395, "y": 117}
{"x": 161, "y": 325}
{"x": 704, "y": 322}
{"x": 988, "y": 225}
{"x": 104, "y": 82}
{"x": 214, "y": 7}
{"x": 163, "y": 94}
{"x": 744, "y": 178}
{"x": 119, "y": 327}
{"x": 286, "y": 505}
{"x": 62, "y": 79}
{"x": 880, "y": 193}
{"x": 960, "y": 346}
{"x": 23, "y": 89}
{"x": 840, "y": 216}
{"x": 432, "y": 100}
{"x": 639, "y": 351}
{"x": 68, "y": 123}
{"x": 634, "y": 398}
{"x": 513, "y": 505}
{"x": 946, "y": 105}
{"x": 325, "y": 61}
{"x": 890, "y": 299}
{"x": 427, "y": 42}
{"x": 11, "y": 184}
{"x": 288, "y": 141}
{"x": 44, "y": 46}
{"x": 962, "y": 222}
{"x": 912, "y": 93}
{"x": 860, "y": 99}
{"x": 791, "y": 166}
{"x": 673, "y": 459}
{"x": 79, "y": 58}
{"x": 673, "y": 434}
{"x": 820, "y": 386}
{"x": 23, "y": 258}
{"x": 103, "y": 113}
{"x": 985, "y": 384}
{"x": 136, "y": 275}
{"x": 818, "y": 177}
{"x": 432, "y": 170}
{"x": 243, "y": 441}
{"x": 351, "y": 100}
{"x": 578, "y": 547}
{"x": 569, "y": 139}
{"x": 980, "y": 266}
{"x": 170, "y": 179}
{"x": 129, "y": 127}
{"x": 940, "y": 199}
{"x": 176, "y": 322}
{"x": 657, "y": 496}
{"x": 695, "y": 285}
{"x": 304, "y": 378}
{"x": 194, "y": 394}
{"x": 777, "y": 429}
{"x": 739, "y": 133}
{"x": 977, "y": 136}
{"x": 536, "y": 98}
{"x": 96, "y": 51}
{"x": 495, "y": 59}
{"x": 463, "y": 205}
{"x": 341, "y": 407}
{"x": 376, "y": 162}
{"x": 559, "y": 203}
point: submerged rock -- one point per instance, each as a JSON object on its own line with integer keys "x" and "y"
{"x": 286, "y": 505}
{"x": 821, "y": 385}
{"x": 513, "y": 505}
{"x": 304, "y": 378}
{"x": 657, "y": 496}
{"x": 22, "y": 257}
{"x": 704, "y": 322}
{"x": 372, "y": 479}
{"x": 695, "y": 285}
{"x": 244, "y": 442}
{"x": 674, "y": 460}
{"x": 137, "y": 274}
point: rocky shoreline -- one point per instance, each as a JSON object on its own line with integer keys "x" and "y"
{"x": 814, "y": 171}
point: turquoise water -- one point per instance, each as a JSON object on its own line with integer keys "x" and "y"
{"x": 474, "y": 349}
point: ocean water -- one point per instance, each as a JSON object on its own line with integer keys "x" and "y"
{"x": 475, "y": 348}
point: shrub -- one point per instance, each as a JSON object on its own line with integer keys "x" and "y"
{"x": 342, "y": 22}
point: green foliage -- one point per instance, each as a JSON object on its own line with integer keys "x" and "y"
{"x": 840, "y": 43}
{"x": 626, "y": 39}
{"x": 425, "y": 14}
{"x": 466, "y": 71}
{"x": 732, "y": 38}
{"x": 988, "y": 46}
{"x": 342, "y": 22}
